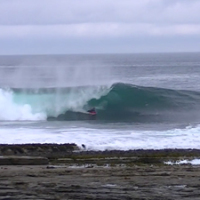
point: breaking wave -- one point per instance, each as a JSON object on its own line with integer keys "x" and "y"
{"x": 119, "y": 101}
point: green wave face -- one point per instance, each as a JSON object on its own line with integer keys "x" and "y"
{"x": 126, "y": 96}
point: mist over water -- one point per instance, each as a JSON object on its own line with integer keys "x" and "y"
{"x": 52, "y": 71}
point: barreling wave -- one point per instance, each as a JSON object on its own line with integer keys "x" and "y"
{"x": 116, "y": 102}
{"x": 126, "y": 101}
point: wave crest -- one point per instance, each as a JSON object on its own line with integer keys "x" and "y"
{"x": 118, "y": 101}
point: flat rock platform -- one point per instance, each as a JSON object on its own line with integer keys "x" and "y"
{"x": 62, "y": 172}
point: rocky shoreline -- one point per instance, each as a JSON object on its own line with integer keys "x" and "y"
{"x": 66, "y": 171}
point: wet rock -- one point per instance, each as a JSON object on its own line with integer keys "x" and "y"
{"x": 23, "y": 160}
{"x": 47, "y": 150}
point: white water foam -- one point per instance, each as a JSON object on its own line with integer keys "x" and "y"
{"x": 11, "y": 111}
{"x": 183, "y": 162}
{"x": 104, "y": 139}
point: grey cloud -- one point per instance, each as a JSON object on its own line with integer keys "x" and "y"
{"x": 23, "y": 12}
{"x": 87, "y": 26}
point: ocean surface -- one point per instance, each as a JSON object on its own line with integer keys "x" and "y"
{"x": 143, "y": 101}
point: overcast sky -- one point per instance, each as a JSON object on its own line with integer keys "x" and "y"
{"x": 99, "y": 26}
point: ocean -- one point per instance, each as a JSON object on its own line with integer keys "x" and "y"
{"x": 143, "y": 101}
